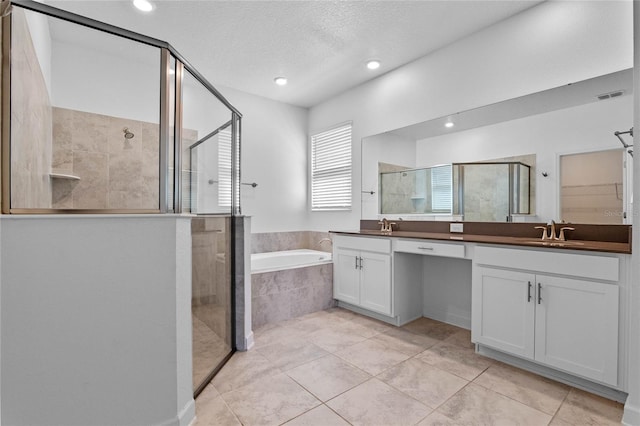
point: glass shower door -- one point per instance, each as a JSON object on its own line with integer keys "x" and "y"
{"x": 207, "y": 187}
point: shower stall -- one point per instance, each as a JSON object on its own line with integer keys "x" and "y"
{"x": 98, "y": 120}
{"x": 480, "y": 192}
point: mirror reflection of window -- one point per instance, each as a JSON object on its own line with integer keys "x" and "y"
{"x": 591, "y": 187}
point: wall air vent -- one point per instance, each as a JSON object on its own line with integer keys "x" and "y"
{"x": 610, "y": 95}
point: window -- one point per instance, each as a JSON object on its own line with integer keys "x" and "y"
{"x": 331, "y": 169}
{"x": 224, "y": 167}
{"x": 441, "y": 189}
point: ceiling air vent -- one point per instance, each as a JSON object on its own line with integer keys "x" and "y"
{"x": 610, "y": 95}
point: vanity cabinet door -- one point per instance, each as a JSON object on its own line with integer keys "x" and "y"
{"x": 346, "y": 276}
{"x": 375, "y": 284}
{"x": 504, "y": 310}
{"x": 577, "y": 327}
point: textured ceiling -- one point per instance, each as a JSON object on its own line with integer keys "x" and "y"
{"x": 320, "y": 46}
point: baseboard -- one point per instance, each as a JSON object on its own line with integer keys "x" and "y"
{"x": 185, "y": 417}
{"x": 188, "y": 413}
{"x": 457, "y": 319}
{"x": 249, "y": 341}
{"x": 559, "y": 376}
{"x": 359, "y": 310}
{"x": 631, "y": 415}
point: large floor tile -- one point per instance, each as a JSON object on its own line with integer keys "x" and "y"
{"x": 405, "y": 341}
{"x": 375, "y": 403}
{"x": 477, "y": 405}
{"x": 371, "y": 323}
{"x": 371, "y": 356}
{"x": 583, "y": 408}
{"x": 270, "y": 335}
{"x": 242, "y": 369}
{"x": 334, "y": 339}
{"x": 211, "y": 409}
{"x": 315, "y": 321}
{"x": 437, "y": 419}
{"x": 456, "y": 360}
{"x": 432, "y": 328}
{"x": 328, "y": 376}
{"x": 319, "y": 416}
{"x": 535, "y": 391}
{"x": 461, "y": 338}
{"x": 270, "y": 401}
{"x": 427, "y": 384}
{"x": 360, "y": 328}
{"x": 291, "y": 353}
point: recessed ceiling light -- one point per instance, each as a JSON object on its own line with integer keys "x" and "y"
{"x": 448, "y": 124}
{"x": 373, "y": 64}
{"x": 143, "y": 5}
{"x": 280, "y": 81}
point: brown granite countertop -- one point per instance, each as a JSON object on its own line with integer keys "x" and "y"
{"x": 587, "y": 245}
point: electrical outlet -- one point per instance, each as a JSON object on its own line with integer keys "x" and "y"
{"x": 456, "y": 227}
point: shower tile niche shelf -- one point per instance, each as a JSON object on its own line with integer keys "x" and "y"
{"x": 63, "y": 176}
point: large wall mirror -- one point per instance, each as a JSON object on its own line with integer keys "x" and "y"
{"x": 523, "y": 159}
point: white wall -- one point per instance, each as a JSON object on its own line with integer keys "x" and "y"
{"x": 96, "y": 325}
{"x": 275, "y": 156}
{"x": 125, "y": 85}
{"x": 584, "y": 128}
{"x": 549, "y": 45}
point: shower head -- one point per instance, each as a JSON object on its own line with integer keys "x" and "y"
{"x": 127, "y": 133}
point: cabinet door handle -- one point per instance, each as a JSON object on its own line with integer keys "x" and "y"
{"x": 539, "y": 293}
{"x": 356, "y": 262}
{"x": 528, "y": 291}
{"x": 425, "y": 248}
{"x": 360, "y": 263}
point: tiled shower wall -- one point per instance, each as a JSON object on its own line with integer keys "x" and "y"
{"x": 31, "y": 122}
{"x": 114, "y": 172}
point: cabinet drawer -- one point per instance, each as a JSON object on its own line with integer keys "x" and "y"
{"x": 591, "y": 266}
{"x": 430, "y": 248}
{"x": 374, "y": 244}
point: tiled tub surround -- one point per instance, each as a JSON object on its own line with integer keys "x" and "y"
{"x": 31, "y": 122}
{"x": 278, "y": 241}
{"x": 290, "y": 293}
{"x": 286, "y": 294}
{"x": 338, "y": 368}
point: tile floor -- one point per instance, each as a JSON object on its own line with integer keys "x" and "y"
{"x": 338, "y": 368}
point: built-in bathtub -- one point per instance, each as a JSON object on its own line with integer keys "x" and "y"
{"x": 287, "y": 259}
{"x": 287, "y": 284}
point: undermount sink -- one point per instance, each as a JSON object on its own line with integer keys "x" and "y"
{"x": 555, "y": 243}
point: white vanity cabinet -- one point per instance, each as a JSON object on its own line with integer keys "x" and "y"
{"x": 362, "y": 272}
{"x": 558, "y": 309}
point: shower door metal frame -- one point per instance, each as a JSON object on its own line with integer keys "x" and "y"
{"x": 166, "y": 52}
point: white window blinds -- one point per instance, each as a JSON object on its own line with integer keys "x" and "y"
{"x": 441, "y": 189}
{"x": 224, "y": 168}
{"x": 331, "y": 169}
